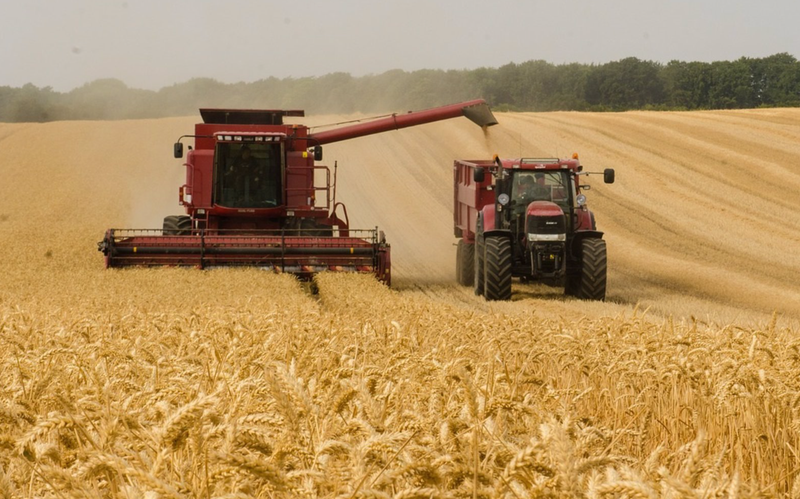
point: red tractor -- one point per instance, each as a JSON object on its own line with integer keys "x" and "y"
{"x": 527, "y": 218}
{"x": 254, "y": 196}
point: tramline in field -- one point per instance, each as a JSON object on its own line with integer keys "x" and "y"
{"x": 254, "y": 196}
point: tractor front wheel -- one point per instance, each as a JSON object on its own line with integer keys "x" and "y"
{"x": 498, "y": 268}
{"x": 590, "y": 282}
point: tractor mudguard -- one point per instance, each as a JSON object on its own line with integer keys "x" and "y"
{"x": 487, "y": 217}
{"x": 497, "y": 233}
{"x": 585, "y": 220}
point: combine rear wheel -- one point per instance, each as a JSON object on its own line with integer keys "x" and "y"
{"x": 498, "y": 269}
{"x": 465, "y": 263}
{"x": 177, "y": 225}
{"x": 590, "y": 282}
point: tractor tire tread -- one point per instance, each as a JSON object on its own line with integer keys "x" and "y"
{"x": 497, "y": 278}
{"x": 465, "y": 261}
{"x": 594, "y": 264}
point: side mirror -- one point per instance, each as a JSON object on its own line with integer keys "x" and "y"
{"x": 608, "y": 175}
{"x": 177, "y": 150}
{"x": 479, "y": 175}
{"x": 317, "y": 153}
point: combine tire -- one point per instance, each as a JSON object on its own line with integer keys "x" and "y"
{"x": 465, "y": 263}
{"x": 177, "y": 225}
{"x": 498, "y": 269}
{"x": 309, "y": 227}
{"x": 590, "y": 282}
{"x": 479, "y": 251}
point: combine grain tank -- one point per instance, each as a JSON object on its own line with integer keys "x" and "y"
{"x": 256, "y": 196}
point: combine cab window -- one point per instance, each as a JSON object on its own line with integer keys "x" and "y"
{"x": 249, "y": 175}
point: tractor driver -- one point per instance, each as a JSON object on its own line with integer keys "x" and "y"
{"x": 524, "y": 187}
{"x": 530, "y": 190}
{"x": 540, "y": 189}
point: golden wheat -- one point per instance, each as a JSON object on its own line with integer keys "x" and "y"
{"x": 239, "y": 383}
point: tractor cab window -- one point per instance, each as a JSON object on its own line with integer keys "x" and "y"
{"x": 552, "y": 185}
{"x": 248, "y": 175}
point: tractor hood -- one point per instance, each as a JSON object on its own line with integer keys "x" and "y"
{"x": 545, "y": 221}
{"x": 543, "y": 209}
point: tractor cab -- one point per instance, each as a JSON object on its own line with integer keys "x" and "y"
{"x": 535, "y": 203}
{"x": 528, "y": 186}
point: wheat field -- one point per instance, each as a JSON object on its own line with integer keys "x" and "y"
{"x": 149, "y": 383}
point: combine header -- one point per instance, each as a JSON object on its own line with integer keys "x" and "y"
{"x": 254, "y": 196}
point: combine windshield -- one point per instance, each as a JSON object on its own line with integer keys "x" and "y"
{"x": 248, "y": 175}
{"x": 547, "y": 185}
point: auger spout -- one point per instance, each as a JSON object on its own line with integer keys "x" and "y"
{"x": 476, "y": 111}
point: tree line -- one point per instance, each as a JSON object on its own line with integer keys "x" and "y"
{"x": 627, "y": 84}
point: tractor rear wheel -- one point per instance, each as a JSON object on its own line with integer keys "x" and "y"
{"x": 498, "y": 269}
{"x": 177, "y": 225}
{"x": 465, "y": 263}
{"x": 590, "y": 282}
{"x": 480, "y": 252}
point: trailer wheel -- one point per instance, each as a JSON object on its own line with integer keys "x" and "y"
{"x": 465, "y": 263}
{"x": 177, "y": 225}
{"x": 590, "y": 282}
{"x": 480, "y": 251}
{"x": 498, "y": 268}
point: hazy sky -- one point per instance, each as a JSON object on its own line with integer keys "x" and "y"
{"x": 154, "y": 43}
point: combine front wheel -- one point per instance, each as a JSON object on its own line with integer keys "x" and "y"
{"x": 498, "y": 268}
{"x": 590, "y": 283}
{"x": 465, "y": 263}
{"x": 177, "y": 225}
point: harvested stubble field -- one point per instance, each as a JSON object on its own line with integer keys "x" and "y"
{"x": 241, "y": 383}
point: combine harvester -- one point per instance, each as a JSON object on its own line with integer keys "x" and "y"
{"x": 527, "y": 218}
{"x": 254, "y": 196}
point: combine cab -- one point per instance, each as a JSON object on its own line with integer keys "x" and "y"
{"x": 255, "y": 196}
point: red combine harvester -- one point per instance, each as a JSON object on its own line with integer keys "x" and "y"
{"x": 527, "y": 218}
{"x": 255, "y": 197}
